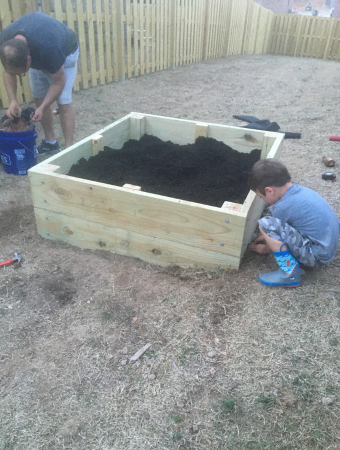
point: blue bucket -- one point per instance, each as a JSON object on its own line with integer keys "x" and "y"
{"x": 18, "y": 151}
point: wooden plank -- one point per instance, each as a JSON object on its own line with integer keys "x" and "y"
{"x": 6, "y": 19}
{"x": 80, "y": 17}
{"x": 141, "y": 37}
{"x": 254, "y": 213}
{"x": 133, "y": 187}
{"x": 118, "y": 40}
{"x": 70, "y": 17}
{"x": 201, "y": 129}
{"x": 129, "y": 27}
{"x": 175, "y": 220}
{"x": 162, "y": 26}
{"x": 58, "y": 12}
{"x": 137, "y": 126}
{"x": 86, "y": 234}
{"x": 311, "y": 37}
{"x": 230, "y": 33}
{"x": 153, "y": 36}
{"x": 205, "y": 47}
{"x": 46, "y": 6}
{"x": 100, "y": 42}
{"x": 166, "y": 35}
{"x": 97, "y": 144}
{"x": 329, "y": 39}
{"x": 108, "y": 43}
{"x": 148, "y": 47}
{"x": 158, "y": 35}
{"x": 91, "y": 41}
{"x": 182, "y": 132}
{"x": 271, "y": 140}
{"x": 114, "y": 136}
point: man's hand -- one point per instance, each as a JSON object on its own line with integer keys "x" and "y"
{"x": 37, "y": 115}
{"x": 260, "y": 246}
{"x": 14, "y": 110}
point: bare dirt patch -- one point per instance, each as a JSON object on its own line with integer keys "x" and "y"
{"x": 233, "y": 364}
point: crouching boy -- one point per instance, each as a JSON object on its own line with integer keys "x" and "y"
{"x": 302, "y": 228}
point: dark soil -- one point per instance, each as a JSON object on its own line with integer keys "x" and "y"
{"x": 207, "y": 172}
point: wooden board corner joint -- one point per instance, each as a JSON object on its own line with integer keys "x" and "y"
{"x": 97, "y": 144}
{"x": 201, "y": 129}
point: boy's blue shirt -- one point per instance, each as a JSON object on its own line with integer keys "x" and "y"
{"x": 312, "y": 216}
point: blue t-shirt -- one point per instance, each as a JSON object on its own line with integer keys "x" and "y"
{"x": 49, "y": 40}
{"x": 311, "y": 215}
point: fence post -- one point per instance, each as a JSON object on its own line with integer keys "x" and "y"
{"x": 172, "y": 34}
{"x": 205, "y": 32}
{"x": 119, "y": 48}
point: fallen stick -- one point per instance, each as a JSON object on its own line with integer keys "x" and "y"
{"x": 140, "y": 352}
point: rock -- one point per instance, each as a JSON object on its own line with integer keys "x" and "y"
{"x": 211, "y": 354}
{"x": 255, "y": 343}
{"x": 326, "y": 401}
{"x": 123, "y": 362}
{"x": 125, "y": 350}
{"x": 195, "y": 429}
{"x": 152, "y": 377}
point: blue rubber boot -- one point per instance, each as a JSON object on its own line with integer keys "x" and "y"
{"x": 289, "y": 273}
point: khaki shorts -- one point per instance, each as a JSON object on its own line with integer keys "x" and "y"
{"x": 41, "y": 81}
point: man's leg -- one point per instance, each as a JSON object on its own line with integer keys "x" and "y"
{"x": 47, "y": 121}
{"x": 67, "y": 114}
{"x": 67, "y": 121}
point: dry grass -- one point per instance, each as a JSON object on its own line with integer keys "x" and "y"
{"x": 233, "y": 364}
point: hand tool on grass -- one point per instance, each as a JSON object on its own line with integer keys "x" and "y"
{"x": 328, "y": 162}
{"x": 15, "y": 260}
{"x": 334, "y": 138}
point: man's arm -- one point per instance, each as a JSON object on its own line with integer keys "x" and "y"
{"x": 58, "y": 83}
{"x": 10, "y": 82}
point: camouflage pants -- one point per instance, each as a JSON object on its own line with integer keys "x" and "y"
{"x": 299, "y": 246}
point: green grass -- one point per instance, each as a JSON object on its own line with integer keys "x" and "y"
{"x": 267, "y": 402}
{"x": 187, "y": 353}
{"x": 93, "y": 343}
{"x": 106, "y": 317}
{"x": 228, "y": 404}
{"x": 176, "y": 418}
{"x": 176, "y": 436}
{"x": 149, "y": 354}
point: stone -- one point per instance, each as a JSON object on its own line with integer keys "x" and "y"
{"x": 326, "y": 401}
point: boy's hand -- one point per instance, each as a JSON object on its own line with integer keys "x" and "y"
{"x": 260, "y": 246}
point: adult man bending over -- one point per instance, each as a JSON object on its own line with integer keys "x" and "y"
{"x": 49, "y": 50}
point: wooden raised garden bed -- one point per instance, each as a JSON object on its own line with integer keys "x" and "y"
{"x": 152, "y": 227}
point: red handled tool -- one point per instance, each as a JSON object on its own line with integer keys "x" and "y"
{"x": 15, "y": 260}
{"x": 334, "y": 138}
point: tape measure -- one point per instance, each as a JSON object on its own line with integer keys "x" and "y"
{"x": 328, "y": 176}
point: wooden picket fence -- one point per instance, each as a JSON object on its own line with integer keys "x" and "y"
{"x": 306, "y": 36}
{"x": 129, "y": 38}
